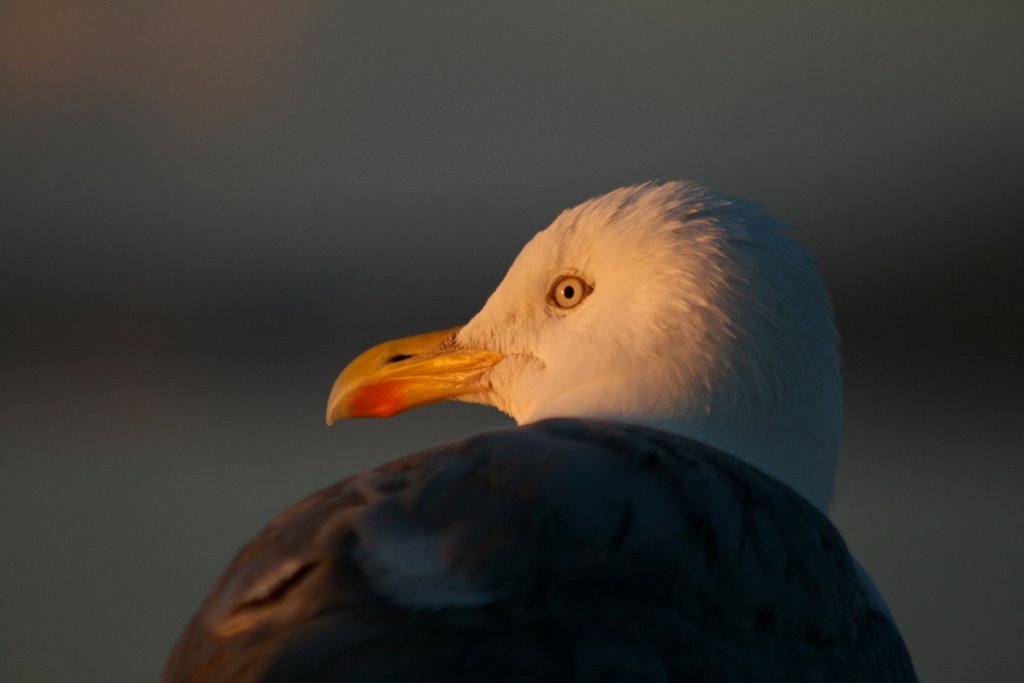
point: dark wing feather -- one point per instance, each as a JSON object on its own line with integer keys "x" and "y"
{"x": 564, "y": 550}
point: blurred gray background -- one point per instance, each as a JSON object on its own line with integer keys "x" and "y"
{"x": 208, "y": 207}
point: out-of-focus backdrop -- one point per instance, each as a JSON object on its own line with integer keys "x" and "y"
{"x": 208, "y": 207}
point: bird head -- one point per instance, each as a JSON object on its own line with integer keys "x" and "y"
{"x": 666, "y": 305}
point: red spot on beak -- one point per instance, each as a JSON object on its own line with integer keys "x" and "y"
{"x": 382, "y": 399}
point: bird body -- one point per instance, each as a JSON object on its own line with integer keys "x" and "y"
{"x": 660, "y": 514}
{"x": 639, "y": 555}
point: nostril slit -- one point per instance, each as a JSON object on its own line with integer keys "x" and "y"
{"x": 398, "y": 357}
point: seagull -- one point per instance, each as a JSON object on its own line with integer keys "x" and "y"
{"x": 659, "y": 513}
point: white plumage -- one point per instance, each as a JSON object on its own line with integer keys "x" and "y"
{"x": 705, "y": 320}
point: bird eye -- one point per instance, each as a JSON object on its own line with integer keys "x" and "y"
{"x": 569, "y": 291}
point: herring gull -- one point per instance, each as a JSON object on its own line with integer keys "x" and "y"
{"x": 659, "y": 514}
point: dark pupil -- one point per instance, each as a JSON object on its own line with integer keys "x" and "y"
{"x": 568, "y": 292}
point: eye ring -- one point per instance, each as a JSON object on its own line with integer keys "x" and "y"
{"x": 569, "y": 291}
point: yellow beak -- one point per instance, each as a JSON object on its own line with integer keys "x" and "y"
{"x": 409, "y": 372}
